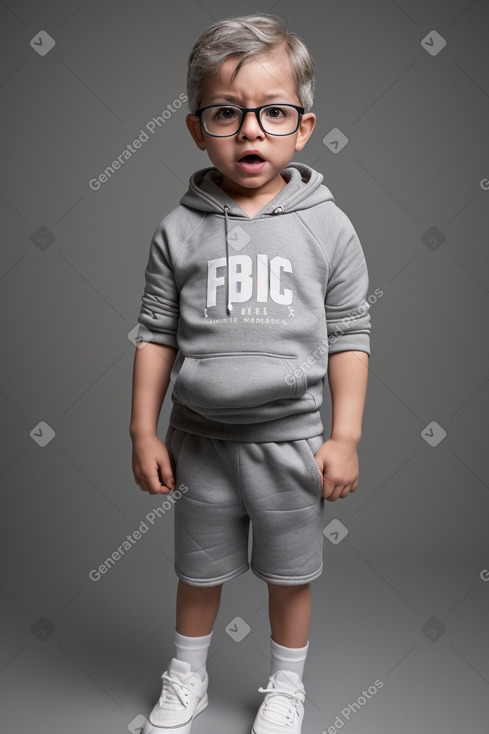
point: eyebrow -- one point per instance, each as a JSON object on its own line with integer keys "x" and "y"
{"x": 233, "y": 98}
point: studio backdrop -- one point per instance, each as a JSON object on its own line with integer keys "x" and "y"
{"x": 95, "y": 152}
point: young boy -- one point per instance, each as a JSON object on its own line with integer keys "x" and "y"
{"x": 252, "y": 283}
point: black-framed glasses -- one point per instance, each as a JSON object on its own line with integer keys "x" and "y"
{"x": 224, "y": 120}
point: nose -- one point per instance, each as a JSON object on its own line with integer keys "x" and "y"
{"x": 250, "y": 129}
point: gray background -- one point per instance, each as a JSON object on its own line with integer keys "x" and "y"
{"x": 404, "y": 596}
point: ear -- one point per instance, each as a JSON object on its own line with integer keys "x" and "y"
{"x": 307, "y": 125}
{"x": 195, "y": 129}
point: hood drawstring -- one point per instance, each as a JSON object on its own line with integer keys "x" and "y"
{"x": 229, "y": 306}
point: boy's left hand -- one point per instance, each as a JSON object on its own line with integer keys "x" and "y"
{"x": 338, "y": 465}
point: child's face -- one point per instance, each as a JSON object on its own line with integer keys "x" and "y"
{"x": 262, "y": 80}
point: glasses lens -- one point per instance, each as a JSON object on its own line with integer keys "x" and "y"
{"x": 225, "y": 120}
{"x": 221, "y": 120}
{"x": 279, "y": 119}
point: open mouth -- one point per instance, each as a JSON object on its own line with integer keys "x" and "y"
{"x": 251, "y": 163}
{"x": 251, "y": 158}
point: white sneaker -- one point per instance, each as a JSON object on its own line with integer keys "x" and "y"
{"x": 183, "y": 696}
{"x": 282, "y": 710}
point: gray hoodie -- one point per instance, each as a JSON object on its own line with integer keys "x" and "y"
{"x": 254, "y": 306}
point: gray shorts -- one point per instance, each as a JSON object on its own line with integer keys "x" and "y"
{"x": 276, "y": 486}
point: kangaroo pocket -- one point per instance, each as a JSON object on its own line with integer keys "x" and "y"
{"x": 240, "y": 386}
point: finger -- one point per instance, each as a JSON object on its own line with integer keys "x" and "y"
{"x": 155, "y": 486}
{"x": 333, "y": 487}
{"x": 165, "y": 475}
{"x": 345, "y": 491}
{"x": 328, "y": 487}
{"x": 152, "y": 481}
{"x": 334, "y": 494}
{"x": 161, "y": 489}
{"x": 352, "y": 486}
{"x": 337, "y": 492}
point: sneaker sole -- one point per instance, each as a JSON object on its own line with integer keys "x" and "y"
{"x": 184, "y": 729}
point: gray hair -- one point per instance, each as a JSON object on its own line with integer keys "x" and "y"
{"x": 248, "y": 36}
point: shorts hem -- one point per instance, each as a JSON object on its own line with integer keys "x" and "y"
{"x": 287, "y": 580}
{"x": 216, "y": 581}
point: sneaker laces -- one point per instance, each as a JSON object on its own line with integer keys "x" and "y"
{"x": 174, "y": 694}
{"x": 280, "y": 705}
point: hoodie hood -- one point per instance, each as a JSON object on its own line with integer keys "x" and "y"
{"x": 304, "y": 189}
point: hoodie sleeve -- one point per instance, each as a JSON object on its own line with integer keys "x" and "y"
{"x": 159, "y": 309}
{"x": 346, "y": 304}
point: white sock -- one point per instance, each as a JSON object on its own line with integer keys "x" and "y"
{"x": 288, "y": 658}
{"x": 193, "y": 650}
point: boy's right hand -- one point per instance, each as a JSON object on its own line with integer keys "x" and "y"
{"x": 151, "y": 465}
